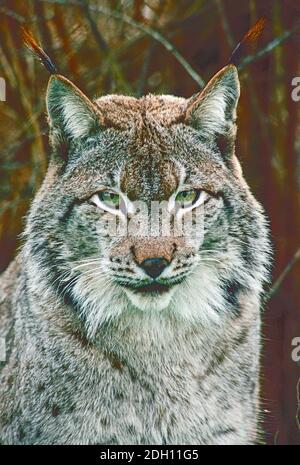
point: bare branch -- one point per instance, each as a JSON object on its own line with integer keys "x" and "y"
{"x": 276, "y": 286}
{"x": 146, "y": 29}
{"x": 12, "y": 14}
{"x": 145, "y": 67}
{"x": 97, "y": 35}
{"x": 268, "y": 48}
{"x": 224, "y": 22}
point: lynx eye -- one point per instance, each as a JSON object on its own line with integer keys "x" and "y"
{"x": 107, "y": 200}
{"x": 185, "y": 199}
{"x": 111, "y": 199}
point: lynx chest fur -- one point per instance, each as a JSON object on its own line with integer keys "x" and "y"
{"x": 132, "y": 313}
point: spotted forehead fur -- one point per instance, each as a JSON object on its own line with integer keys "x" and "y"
{"x": 124, "y": 112}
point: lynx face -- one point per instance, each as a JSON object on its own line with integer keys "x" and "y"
{"x": 115, "y": 162}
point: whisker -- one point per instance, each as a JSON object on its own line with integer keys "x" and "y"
{"x": 82, "y": 265}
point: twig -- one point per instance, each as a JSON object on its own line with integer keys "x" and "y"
{"x": 99, "y": 39}
{"x": 98, "y": 36}
{"x": 21, "y": 19}
{"x": 146, "y": 29}
{"x": 282, "y": 276}
{"x": 249, "y": 82}
{"x": 268, "y": 48}
{"x": 276, "y": 438}
{"x": 12, "y": 14}
{"x": 145, "y": 68}
{"x": 224, "y": 22}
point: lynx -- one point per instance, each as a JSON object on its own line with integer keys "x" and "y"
{"x": 136, "y": 338}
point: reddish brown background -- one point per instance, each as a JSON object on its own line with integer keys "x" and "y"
{"x": 102, "y": 54}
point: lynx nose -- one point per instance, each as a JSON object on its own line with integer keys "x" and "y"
{"x": 154, "y": 266}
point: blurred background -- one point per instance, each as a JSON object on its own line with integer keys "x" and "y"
{"x": 137, "y": 47}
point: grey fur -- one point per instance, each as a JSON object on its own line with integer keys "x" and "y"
{"x": 87, "y": 361}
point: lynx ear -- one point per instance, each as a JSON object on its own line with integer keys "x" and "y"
{"x": 213, "y": 111}
{"x": 71, "y": 114}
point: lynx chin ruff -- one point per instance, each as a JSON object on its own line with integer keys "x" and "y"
{"x": 136, "y": 338}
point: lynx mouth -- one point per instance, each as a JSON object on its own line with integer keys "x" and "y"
{"x": 151, "y": 295}
{"x": 152, "y": 288}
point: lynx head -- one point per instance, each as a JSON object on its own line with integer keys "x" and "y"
{"x": 118, "y": 160}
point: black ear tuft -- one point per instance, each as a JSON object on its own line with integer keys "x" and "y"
{"x": 247, "y": 42}
{"x": 37, "y": 50}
